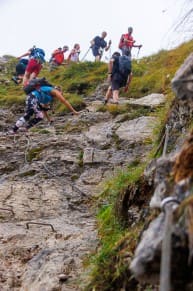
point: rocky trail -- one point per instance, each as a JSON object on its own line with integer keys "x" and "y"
{"x": 48, "y": 178}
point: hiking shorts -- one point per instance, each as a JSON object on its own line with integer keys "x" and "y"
{"x": 96, "y": 51}
{"x": 126, "y": 51}
{"x": 117, "y": 82}
{"x": 20, "y": 69}
{"x": 33, "y": 67}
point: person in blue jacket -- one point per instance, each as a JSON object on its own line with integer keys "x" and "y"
{"x": 98, "y": 44}
{"x": 37, "y": 104}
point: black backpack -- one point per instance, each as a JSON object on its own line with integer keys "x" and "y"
{"x": 124, "y": 66}
{"x": 35, "y": 83}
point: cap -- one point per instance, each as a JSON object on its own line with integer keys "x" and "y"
{"x": 65, "y": 47}
{"x": 130, "y": 29}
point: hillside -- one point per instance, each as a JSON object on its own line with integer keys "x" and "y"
{"x": 76, "y": 196}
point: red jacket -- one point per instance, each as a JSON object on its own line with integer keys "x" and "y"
{"x": 58, "y": 56}
{"x": 126, "y": 40}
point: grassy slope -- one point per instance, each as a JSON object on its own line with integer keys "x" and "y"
{"x": 108, "y": 267}
{"x": 151, "y": 74}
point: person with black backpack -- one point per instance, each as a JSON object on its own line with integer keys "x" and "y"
{"x": 119, "y": 75}
{"x": 40, "y": 94}
{"x": 36, "y": 59}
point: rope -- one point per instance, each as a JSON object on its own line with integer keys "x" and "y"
{"x": 166, "y": 141}
{"x": 26, "y": 150}
{"x": 54, "y": 175}
{"x": 160, "y": 145}
{"x": 169, "y": 204}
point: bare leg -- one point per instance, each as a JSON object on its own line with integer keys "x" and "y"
{"x": 108, "y": 94}
{"x": 97, "y": 58}
{"x": 26, "y": 78}
{"x": 32, "y": 76}
{"x": 115, "y": 96}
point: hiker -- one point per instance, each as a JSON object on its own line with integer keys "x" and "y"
{"x": 38, "y": 103}
{"x": 19, "y": 71}
{"x": 98, "y": 44}
{"x": 119, "y": 75}
{"x": 57, "y": 57}
{"x": 36, "y": 59}
{"x": 127, "y": 43}
{"x": 74, "y": 54}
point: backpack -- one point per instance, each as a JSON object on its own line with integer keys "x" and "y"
{"x": 34, "y": 84}
{"x": 38, "y": 53}
{"x": 58, "y": 56}
{"x": 124, "y": 66}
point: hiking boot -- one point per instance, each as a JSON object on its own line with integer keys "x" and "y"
{"x": 105, "y": 101}
{"x": 11, "y": 132}
{"x": 114, "y": 102}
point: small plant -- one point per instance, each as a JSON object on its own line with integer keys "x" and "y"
{"x": 33, "y": 154}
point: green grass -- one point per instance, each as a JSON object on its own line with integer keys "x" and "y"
{"x": 150, "y": 74}
{"x": 107, "y": 265}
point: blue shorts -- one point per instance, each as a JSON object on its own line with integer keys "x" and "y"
{"x": 96, "y": 51}
{"x": 126, "y": 51}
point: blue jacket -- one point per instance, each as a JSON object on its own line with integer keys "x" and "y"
{"x": 43, "y": 94}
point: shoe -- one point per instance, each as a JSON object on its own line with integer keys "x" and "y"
{"x": 15, "y": 80}
{"x": 105, "y": 101}
{"x": 114, "y": 102}
{"x": 11, "y": 132}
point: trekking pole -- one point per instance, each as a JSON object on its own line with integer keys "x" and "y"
{"x": 138, "y": 53}
{"x": 109, "y": 53}
{"x": 85, "y": 55}
{"x": 166, "y": 141}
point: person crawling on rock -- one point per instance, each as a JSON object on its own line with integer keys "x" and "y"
{"x": 119, "y": 75}
{"x": 39, "y": 98}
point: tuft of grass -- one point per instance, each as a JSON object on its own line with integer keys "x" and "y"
{"x": 108, "y": 267}
{"x": 33, "y": 154}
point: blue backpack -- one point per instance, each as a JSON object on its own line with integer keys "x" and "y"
{"x": 39, "y": 54}
{"x": 124, "y": 66}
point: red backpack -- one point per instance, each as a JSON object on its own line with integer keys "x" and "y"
{"x": 58, "y": 56}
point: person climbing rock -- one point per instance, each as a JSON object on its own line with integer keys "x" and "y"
{"x": 38, "y": 103}
{"x": 98, "y": 44}
{"x": 34, "y": 66}
{"x": 127, "y": 42}
{"x": 57, "y": 57}
{"x": 119, "y": 75}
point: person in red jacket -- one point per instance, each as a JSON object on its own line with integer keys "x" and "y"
{"x": 127, "y": 43}
{"x": 57, "y": 57}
